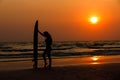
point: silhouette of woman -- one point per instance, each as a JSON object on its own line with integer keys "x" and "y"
{"x": 47, "y": 51}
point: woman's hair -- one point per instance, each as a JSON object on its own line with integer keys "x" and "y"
{"x": 46, "y": 33}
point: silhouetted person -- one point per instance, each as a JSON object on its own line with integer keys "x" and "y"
{"x": 47, "y": 51}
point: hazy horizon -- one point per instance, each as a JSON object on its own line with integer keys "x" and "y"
{"x": 66, "y": 20}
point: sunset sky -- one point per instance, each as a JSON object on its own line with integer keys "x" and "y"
{"x": 66, "y": 20}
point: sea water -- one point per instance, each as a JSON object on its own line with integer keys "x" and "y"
{"x": 60, "y": 49}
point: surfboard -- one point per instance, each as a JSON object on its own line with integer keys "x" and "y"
{"x": 35, "y": 46}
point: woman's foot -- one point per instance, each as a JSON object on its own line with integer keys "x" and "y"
{"x": 49, "y": 66}
{"x": 45, "y": 65}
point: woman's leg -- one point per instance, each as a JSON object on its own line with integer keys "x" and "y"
{"x": 44, "y": 58}
{"x": 49, "y": 57}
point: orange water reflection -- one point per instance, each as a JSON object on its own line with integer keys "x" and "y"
{"x": 104, "y": 59}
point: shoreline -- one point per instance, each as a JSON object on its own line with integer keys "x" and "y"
{"x": 71, "y": 61}
{"x": 17, "y": 59}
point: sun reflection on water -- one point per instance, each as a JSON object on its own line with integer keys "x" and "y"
{"x": 95, "y": 59}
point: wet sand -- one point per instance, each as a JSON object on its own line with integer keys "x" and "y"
{"x": 63, "y": 69}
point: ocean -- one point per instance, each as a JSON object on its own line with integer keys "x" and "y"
{"x": 10, "y": 51}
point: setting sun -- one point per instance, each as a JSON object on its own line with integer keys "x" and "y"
{"x": 94, "y": 20}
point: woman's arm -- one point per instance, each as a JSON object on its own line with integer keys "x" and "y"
{"x": 41, "y": 33}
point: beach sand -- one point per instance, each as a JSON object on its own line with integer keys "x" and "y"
{"x": 62, "y": 69}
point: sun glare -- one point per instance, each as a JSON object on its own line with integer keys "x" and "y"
{"x": 94, "y": 20}
{"x": 94, "y": 58}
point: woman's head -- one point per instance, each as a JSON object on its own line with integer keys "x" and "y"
{"x": 46, "y": 33}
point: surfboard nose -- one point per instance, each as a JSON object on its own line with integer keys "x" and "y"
{"x": 36, "y": 24}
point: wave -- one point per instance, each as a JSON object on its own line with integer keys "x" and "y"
{"x": 69, "y": 48}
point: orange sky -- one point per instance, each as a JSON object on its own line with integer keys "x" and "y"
{"x": 66, "y": 20}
